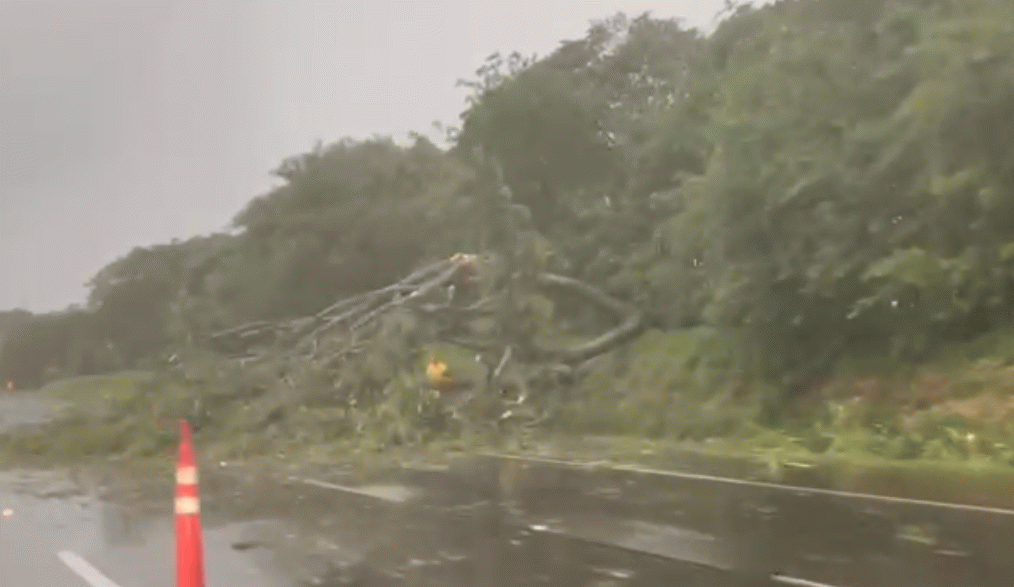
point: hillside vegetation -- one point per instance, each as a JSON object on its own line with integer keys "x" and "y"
{"x": 809, "y": 211}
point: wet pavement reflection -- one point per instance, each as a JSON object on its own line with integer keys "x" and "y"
{"x": 48, "y": 515}
{"x": 297, "y": 535}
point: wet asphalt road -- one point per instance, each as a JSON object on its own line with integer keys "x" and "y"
{"x": 53, "y": 534}
{"x": 56, "y": 531}
{"x": 21, "y": 408}
{"x": 79, "y": 529}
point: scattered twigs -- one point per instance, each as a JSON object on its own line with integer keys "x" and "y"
{"x": 498, "y": 371}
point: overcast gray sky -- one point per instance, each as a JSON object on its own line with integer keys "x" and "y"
{"x": 131, "y": 123}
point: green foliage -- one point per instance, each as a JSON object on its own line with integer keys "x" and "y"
{"x": 666, "y": 384}
{"x": 350, "y": 217}
{"x": 847, "y": 188}
{"x": 816, "y": 183}
{"x": 117, "y": 388}
{"x": 45, "y": 347}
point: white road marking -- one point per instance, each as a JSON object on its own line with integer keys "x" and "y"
{"x": 85, "y": 570}
{"x": 389, "y": 493}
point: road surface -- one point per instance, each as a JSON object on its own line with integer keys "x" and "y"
{"x": 21, "y": 408}
{"x": 52, "y": 534}
{"x": 83, "y": 529}
{"x": 55, "y": 531}
{"x": 62, "y": 529}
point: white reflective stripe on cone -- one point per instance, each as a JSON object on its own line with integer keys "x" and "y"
{"x": 187, "y": 506}
{"x": 186, "y": 475}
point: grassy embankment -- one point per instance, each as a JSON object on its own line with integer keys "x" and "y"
{"x": 939, "y": 430}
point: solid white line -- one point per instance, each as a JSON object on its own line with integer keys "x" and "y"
{"x": 796, "y": 489}
{"x": 797, "y": 582}
{"x": 85, "y": 570}
{"x": 393, "y": 498}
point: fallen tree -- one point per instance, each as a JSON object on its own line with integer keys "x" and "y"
{"x": 440, "y": 303}
{"x": 360, "y": 349}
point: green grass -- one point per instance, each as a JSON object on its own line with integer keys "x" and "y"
{"x": 112, "y": 415}
{"x": 116, "y": 387}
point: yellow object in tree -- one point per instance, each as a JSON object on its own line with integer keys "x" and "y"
{"x": 438, "y": 378}
{"x": 436, "y": 371}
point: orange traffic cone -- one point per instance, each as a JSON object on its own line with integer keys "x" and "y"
{"x": 189, "y": 543}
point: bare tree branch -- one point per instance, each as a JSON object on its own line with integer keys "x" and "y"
{"x": 503, "y": 363}
{"x": 630, "y": 327}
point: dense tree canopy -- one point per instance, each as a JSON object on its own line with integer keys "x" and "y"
{"x": 831, "y": 177}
